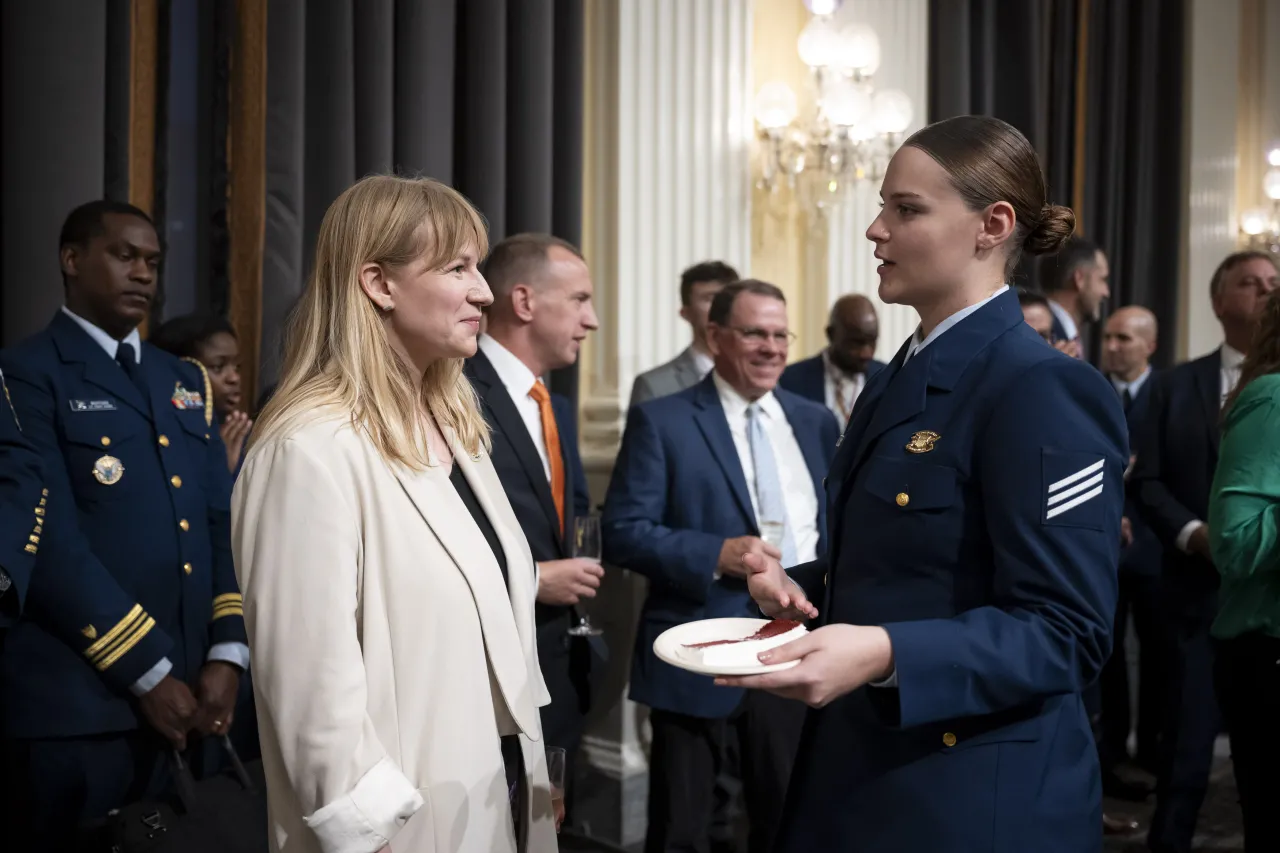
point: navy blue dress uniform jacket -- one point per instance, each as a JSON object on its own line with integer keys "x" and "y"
{"x": 975, "y": 506}
{"x": 23, "y": 507}
{"x": 808, "y": 378}
{"x": 135, "y": 564}
{"x": 677, "y": 493}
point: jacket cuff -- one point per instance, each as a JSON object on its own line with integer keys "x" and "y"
{"x": 367, "y": 818}
{"x": 226, "y": 625}
{"x": 128, "y": 650}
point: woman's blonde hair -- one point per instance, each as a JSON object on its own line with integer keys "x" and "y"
{"x": 337, "y": 353}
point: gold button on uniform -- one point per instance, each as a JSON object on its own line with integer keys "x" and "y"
{"x": 903, "y": 499}
{"x": 176, "y": 481}
{"x": 186, "y": 567}
{"x": 164, "y": 441}
{"x": 948, "y": 739}
{"x": 185, "y": 525}
{"x": 106, "y": 442}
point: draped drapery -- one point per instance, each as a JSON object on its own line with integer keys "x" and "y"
{"x": 1097, "y": 86}
{"x": 485, "y": 95}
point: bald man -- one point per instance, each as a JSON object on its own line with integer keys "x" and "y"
{"x": 1128, "y": 342}
{"x": 836, "y": 376}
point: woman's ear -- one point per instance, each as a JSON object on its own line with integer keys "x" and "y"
{"x": 375, "y": 285}
{"x": 998, "y": 224}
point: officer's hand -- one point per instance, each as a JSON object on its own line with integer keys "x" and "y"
{"x": 733, "y": 550}
{"x": 833, "y": 660}
{"x": 1071, "y": 348}
{"x": 170, "y": 709}
{"x": 1198, "y": 543}
{"x": 235, "y": 429}
{"x": 219, "y": 684}
{"x": 776, "y": 594}
{"x": 564, "y": 582}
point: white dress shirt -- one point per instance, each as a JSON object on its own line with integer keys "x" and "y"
{"x": 840, "y": 388}
{"x": 1228, "y": 376}
{"x": 518, "y": 379}
{"x": 1064, "y": 317}
{"x": 233, "y": 653}
{"x": 1132, "y": 387}
{"x": 793, "y": 472}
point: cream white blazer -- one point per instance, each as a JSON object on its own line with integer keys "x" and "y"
{"x": 387, "y": 656}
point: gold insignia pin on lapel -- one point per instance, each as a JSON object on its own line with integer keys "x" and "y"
{"x": 922, "y": 442}
{"x": 89, "y": 632}
{"x": 108, "y": 470}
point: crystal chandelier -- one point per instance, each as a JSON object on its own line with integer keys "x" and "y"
{"x": 1260, "y": 226}
{"x": 855, "y": 127}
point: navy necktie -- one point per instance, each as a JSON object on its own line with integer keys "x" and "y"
{"x": 128, "y": 360}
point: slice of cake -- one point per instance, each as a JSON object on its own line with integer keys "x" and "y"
{"x": 734, "y": 653}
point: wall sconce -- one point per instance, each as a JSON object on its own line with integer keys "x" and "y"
{"x": 1260, "y": 226}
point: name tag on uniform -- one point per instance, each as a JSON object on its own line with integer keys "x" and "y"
{"x": 92, "y": 405}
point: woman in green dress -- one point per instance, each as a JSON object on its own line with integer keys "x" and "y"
{"x": 1244, "y": 534}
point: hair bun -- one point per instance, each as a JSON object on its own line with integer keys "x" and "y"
{"x": 1056, "y": 225}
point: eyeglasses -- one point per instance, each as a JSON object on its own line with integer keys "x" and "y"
{"x": 757, "y": 337}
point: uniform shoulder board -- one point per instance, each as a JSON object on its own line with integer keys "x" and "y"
{"x": 208, "y": 390}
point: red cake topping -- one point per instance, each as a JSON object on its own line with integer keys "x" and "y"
{"x": 775, "y": 628}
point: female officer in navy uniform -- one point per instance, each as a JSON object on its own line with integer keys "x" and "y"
{"x": 975, "y": 503}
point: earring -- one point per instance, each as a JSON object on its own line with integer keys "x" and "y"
{"x": 386, "y": 307}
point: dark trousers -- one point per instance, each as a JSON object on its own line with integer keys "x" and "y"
{"x": 1139, "y": 596}
{"x": 55, "y": 789}
{"x": 1191, "y": 721}
{"x": 1248, "y": 682}
{"x": 686, "y": 758}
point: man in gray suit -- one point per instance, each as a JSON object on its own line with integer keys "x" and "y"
{"x": 699, "y": 284}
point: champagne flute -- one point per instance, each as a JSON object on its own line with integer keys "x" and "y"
{"x": 555, "y": 775}
{"x": 586, "y": 546}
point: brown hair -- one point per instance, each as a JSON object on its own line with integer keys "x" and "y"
{"x": 1234, "y": 260}
{"x": 707, "y": 271}
{"x": 1264, "y": 350}
{"x": 988, "y": 160}
{"x": 722, "y": 303}
{"x": 521, "y": 259}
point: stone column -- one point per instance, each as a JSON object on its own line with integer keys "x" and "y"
{"x": 667, "y": 184}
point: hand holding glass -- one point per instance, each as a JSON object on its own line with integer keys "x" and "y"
{"x": 555, "y": 775}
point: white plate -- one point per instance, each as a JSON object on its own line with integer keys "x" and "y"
{"x": 706, "y": 630}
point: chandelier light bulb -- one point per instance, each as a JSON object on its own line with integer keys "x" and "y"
{"x": 775, "y": 105}
{"x": 846, "y": 103}
{"x": 1271, "y": 184}
{"x": 822, "y": 7}
{"x": 1255, "y": 221}
{"x": 1273, "y": 155}
{"x": 860, "y": 49}
{"x": 891, "y": 111}
{"x": 819, "y": 45}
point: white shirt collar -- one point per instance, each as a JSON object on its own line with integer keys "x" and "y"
{"x": 109, "y": 344}
{"x": 1133, "y": 387}
{"x": 513, "y": 372}
{"x": 938, "y": 330}
{"x": 735, "y": 405}
{"x": 1232, "y": 358}
{"x": 1064, "y": 317}
{"x": 702, "y": 362}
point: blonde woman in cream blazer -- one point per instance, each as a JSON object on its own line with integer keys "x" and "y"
{"x": 389, "y": 593}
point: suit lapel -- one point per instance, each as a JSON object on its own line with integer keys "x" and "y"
{"x": 505, "y": 418}
{"x": 687, "y": 368}
{"x": 100, "y": 369}
{"x": 1209, "y": 380}
{"x": 810, "y": 441}
{"x": 444, "y": 512}
{"x": 715, "y": 429}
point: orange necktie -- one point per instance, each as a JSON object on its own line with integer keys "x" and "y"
{"x": 551, "y": 435}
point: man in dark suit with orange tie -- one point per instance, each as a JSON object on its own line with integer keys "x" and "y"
{"x": 541, "y": 313}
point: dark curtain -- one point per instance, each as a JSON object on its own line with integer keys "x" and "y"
{"x": 485, "y": 95}
{"x": 1019, "y": 60}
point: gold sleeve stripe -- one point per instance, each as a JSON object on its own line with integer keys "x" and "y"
{"x": 222, "y": 612}
{"x": 128, "y": 643}
{"x": 228, "y": 598}
{"x": 131, "y": 618}
{"x": 121, "y": 640}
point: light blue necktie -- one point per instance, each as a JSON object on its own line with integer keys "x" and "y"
{"x": 769, "y": 496}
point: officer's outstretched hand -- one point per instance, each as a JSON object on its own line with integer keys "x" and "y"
{"x": 776, "y": 594}
{"x": 170, "y": 709}
{"x": 219, "y": 683}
